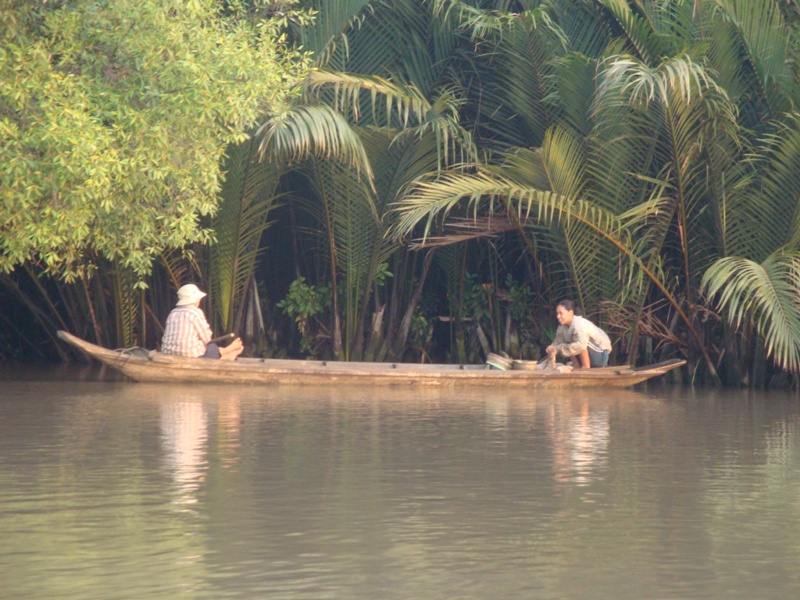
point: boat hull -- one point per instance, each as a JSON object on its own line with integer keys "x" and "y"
{"x": 153, "y": 367}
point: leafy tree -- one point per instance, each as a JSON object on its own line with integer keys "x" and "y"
{"x": 114, "y": 118}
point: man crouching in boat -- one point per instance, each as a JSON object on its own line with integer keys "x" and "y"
{"x": 579, "y": 338}
{"x": 187, "y": 332}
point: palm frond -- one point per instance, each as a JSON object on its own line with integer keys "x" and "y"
{"x": 327, "y": 35}
{"x": 410, "y": 157}
{"x": 631, "y": 80}
{"x": 761, "y": 38}
{"x": 483, "y": 23}
{"x": 247, "y": 198}
{"x": 759, "y": 218}
{"x": 690, "y": 119}
{"x": 429, "y": 201}
{"x": 509, "y": 83}
{"x": 558, "y": 166}
{"x": 764, "y": 296}
{"x": 181, "y": 267}
{"x": 587, "y": 32}
{"x": 397, "y": 100}
{"x": 303, "y": 131}
{"x": 460, "y": 230}
{"x": 402, "y": 101}
{"x": 675, "y": 21}
{"x": 407, "y": 40}
{"x": 349, "y": 223}
{"x": 573, "y": 89}
{"x": 453, "y": 142}
{"x": 639, "y": 34}
{"x": 523, "y": 78}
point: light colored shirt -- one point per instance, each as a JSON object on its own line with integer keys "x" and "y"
{"x": 580, "y": 334}
{"x": 186, "y": 333}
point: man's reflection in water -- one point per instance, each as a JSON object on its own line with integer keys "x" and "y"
{"x": 580, "y": 442}
{"x": 184, "y": 435}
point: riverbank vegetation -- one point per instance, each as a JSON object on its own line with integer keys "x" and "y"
{"x": 406, "y": 179}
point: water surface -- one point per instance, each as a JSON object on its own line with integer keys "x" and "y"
{"x": 121, "y": 490}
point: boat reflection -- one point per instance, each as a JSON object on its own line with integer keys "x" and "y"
{"x": 574, "y": 426}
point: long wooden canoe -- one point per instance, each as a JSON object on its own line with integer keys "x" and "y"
{"x": 154, "y": 367}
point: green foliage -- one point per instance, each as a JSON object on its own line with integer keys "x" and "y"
{"x": 520, "y": 299}
{"x": 114, "y": 116}
{"x": 499, "y": 312}
{"x": 763, "y": 296}
{"x": 303, "y": 303}
{"x": 381, "y": 274}
{"x": 248, "y": 196}
{"x": 477, "y": 299}
{"x": 421, "y": 332}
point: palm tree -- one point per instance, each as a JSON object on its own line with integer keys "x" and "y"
{"x": 655, "y": 170}
{"x": 412, "y": 129}
{"x": 249, "y": 195}
{"x": 755, "y": 282}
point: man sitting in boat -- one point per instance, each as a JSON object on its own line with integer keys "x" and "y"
{"x": 579, "y": 338}
{"x": 187, "y": 332}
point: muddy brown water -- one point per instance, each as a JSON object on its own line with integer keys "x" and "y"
{"x": 111, "y": 489}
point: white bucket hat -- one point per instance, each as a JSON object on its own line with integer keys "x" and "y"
{"x": 189, "y": 294}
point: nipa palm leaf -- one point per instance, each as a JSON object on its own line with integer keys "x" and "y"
{"x": 248, "y": 195}
{"x": 764, "y": 296}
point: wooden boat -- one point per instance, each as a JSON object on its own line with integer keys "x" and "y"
{"x": 150, "y": 366}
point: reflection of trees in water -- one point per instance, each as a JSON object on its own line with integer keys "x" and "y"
{"x": 782, "y": 443}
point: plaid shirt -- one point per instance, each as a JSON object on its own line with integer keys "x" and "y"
{"x": 187, "y": 332}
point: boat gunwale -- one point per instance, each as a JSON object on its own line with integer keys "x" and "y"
{"x": 331, "y": 371}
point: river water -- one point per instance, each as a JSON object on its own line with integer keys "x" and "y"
{"x": 110, "y": 489}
